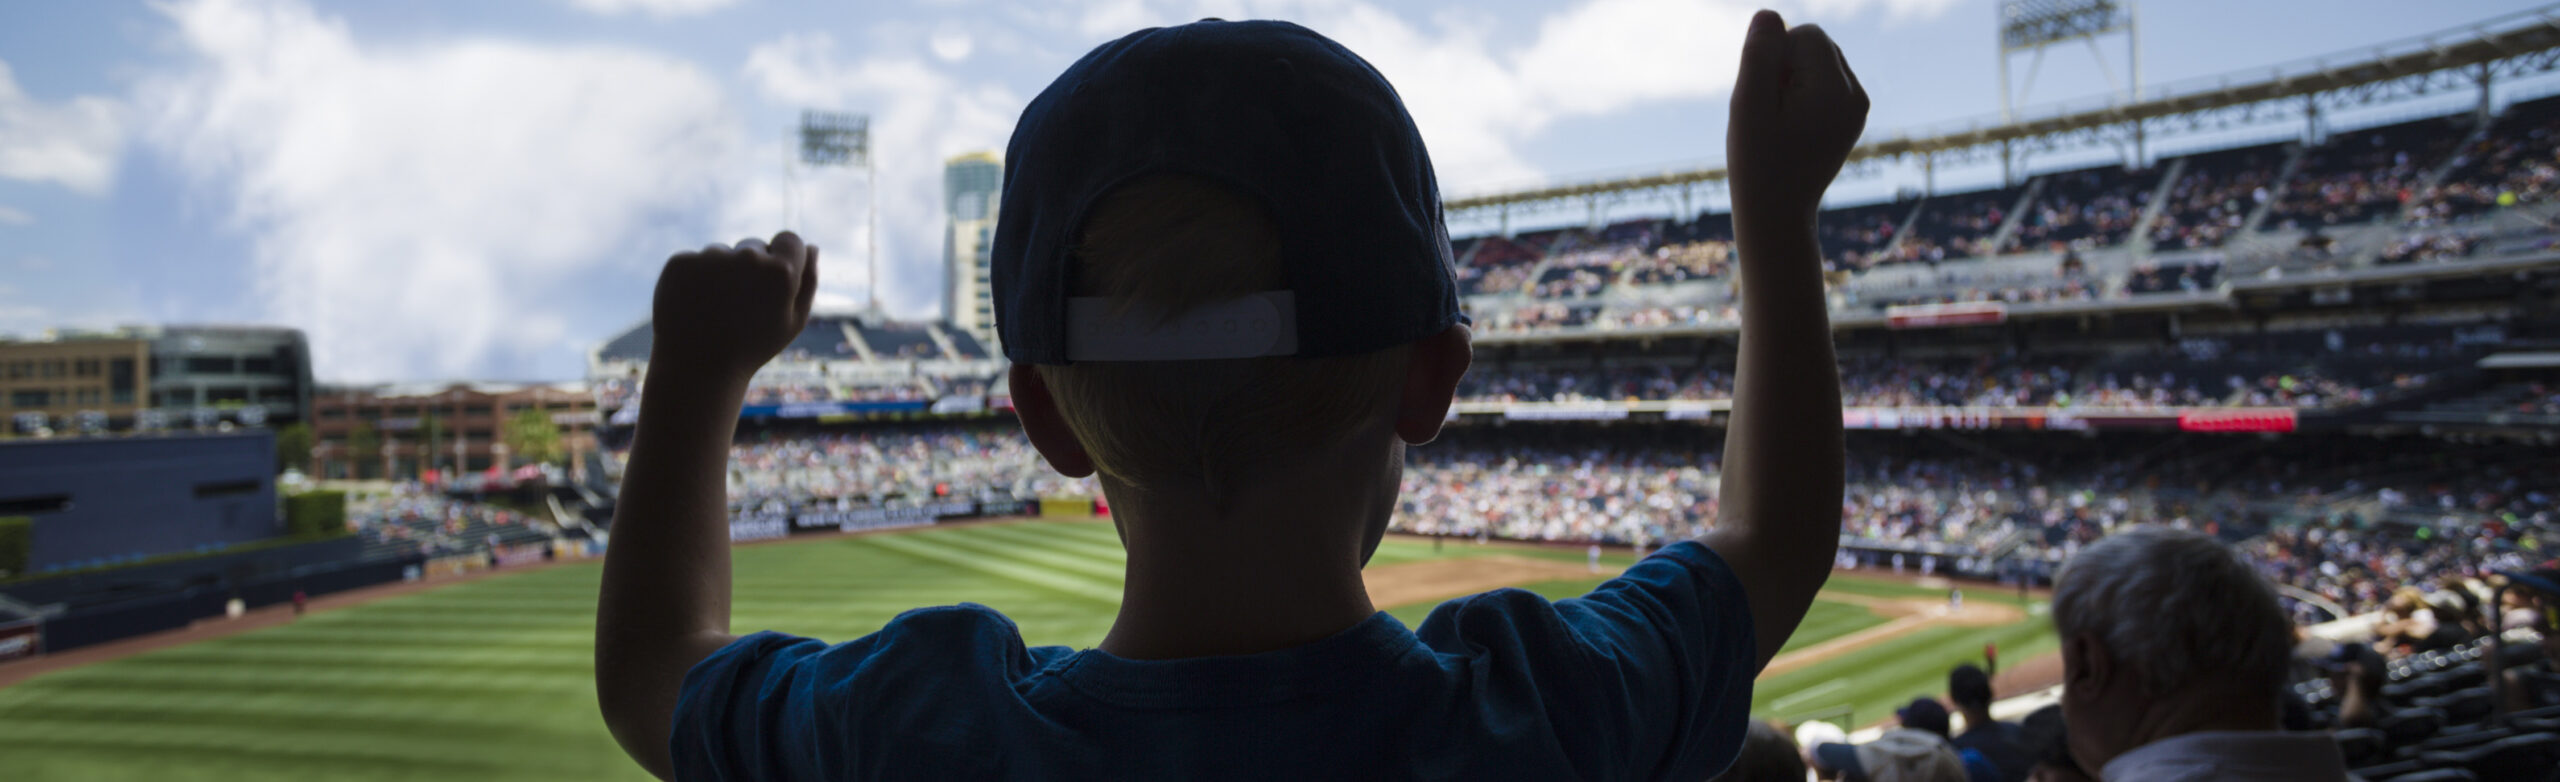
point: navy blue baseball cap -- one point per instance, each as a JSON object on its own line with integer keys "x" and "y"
{"x": 1281, "y": 114}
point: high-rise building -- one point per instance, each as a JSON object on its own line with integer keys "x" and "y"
{"x": 154, "y": 377}
{"x": 972, "y": 185}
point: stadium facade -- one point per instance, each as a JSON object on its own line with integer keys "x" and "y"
{"x": 152, "y": 378}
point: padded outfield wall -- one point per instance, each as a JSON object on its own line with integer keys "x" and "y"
{"x": 103, "y": 498}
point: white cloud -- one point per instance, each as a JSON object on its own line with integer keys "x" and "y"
{"x": 10, "y": 216}
{"x": 73, "y": 143}
{"x": 952, "y": 45}
{"x": 662, "y": 9}
{"x": 920, "y": 117}
{"x": 1478, "y": 101}
{"x": 432, "y": 211}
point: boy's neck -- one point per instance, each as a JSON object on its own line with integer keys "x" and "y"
{"x": 1273, "y": 568}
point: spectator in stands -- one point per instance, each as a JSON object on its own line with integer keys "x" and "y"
{"x": 2358, "y": 673}
{"x": 2537, "y": 685}
{"x": 2174, "y": 655}
{"x": 1250, "y": 477}
{"x": 1768, "y": 755}
{"x": 1998, "y": 742}
{"x": 2050, "y": 747}
{"x": 1927, "y": 715}
{"x": 1900, "y": 755}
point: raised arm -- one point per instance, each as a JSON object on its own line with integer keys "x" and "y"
{"x": 718, "y": 315}
{"x": 1797, "y": 110}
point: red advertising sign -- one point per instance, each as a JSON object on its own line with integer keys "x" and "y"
{"x": 1921, "y": 316}
{"x": 2251, "y": 419}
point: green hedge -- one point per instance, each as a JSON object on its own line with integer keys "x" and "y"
{"x": 315, "y": 513}
{"x": 17, "y": 544}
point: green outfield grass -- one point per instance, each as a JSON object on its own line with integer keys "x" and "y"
{"x": 489, "y": 680}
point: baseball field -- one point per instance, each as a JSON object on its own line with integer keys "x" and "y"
{"x": 488, "y": 679}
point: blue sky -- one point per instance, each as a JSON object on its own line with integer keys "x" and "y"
{"x": 483, "y": 188}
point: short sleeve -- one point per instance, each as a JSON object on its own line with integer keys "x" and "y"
{"x": 1653, "y": 667}
{"x": 771, "y": 706}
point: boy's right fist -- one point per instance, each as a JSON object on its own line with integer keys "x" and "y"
{"x": 1797, "y": 110}
{"x": 724, "y": 311}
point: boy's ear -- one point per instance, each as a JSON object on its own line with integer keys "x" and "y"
{"x": 1042, "y": 423}
{"x": 1431, "y": 374}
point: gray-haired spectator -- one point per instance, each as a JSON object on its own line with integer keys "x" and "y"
{"x": 2174, "y": 656}
{"x": 1768, "y": 755}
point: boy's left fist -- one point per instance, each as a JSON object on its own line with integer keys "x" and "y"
{"x": 727, "y": 310}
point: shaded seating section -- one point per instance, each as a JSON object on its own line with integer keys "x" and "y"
{"x": 2084, "y": 209}
{"x": 1854, "y": 238}
{"x": 2513, "y": 163}
{"x": 967, "y": 344}
{"x": 822, "y": 340}
{"x": 2215, "y": 194}
{"x": 1960, "y": 225}
{"x": 899, "y": 341}
{"x": 2363, "y": 175}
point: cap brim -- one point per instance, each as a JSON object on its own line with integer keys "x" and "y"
{"x": 1838, "y": 757}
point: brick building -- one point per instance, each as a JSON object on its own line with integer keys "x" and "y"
{"x": 468, "y": 424}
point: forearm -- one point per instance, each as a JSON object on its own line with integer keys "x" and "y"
{"x": 1783, "y": 458}
{"x": 665, "y": 600}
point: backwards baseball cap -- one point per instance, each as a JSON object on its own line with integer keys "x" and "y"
{"x": 1925, "y": 714}
{"x": 1279, "y": 113}
{"x": 1900, "y": 755}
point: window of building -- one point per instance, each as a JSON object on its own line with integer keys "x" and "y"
{"x": 332, "y": 413}
{"x": 54, "y": 368}
{"x": 33, "y": 397}
{"x": 87, "y": 367}
{"x": 21, "y": 370}
{"x": 476, "y": 410}
{"x": 258, "y": 366}
{"x": 123, "y": 397}
{"x": 223, "y": 395}
{"x": 120, "y": 377}
{"x": 476, "y": 434}
{"x": 212, "y": 365}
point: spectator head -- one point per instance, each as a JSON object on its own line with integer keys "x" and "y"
{"x": 2165, "y": 632}
{"x": 1768, "y": 755}
{"x": 1199, "y": 308}
{"x": 1970, "y": 688}
{"x": 1900, "y": 755}
{"x": 2045, "y": 739}
{"x": 1209, "y": 430}
{"x": 1925, "y": 714}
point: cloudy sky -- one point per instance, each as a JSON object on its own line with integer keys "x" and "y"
{"x": 483, "y": 188}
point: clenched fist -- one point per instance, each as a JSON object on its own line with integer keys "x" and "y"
{"x": 724, "y": 311}
{"x": 1797, "y": 110}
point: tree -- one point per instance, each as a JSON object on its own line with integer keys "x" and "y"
{"x": 293, "y": 447}
{"x": 531, "y": 435}
{"x": 363, "y": 443}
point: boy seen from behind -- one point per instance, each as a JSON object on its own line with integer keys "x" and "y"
{"x": 1222, "y": 277}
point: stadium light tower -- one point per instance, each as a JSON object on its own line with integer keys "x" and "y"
{"x": 843, "y": 140}
{"x": 2033, "y": 26}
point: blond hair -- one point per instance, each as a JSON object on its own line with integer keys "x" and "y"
{"x": 1167, "y": 244}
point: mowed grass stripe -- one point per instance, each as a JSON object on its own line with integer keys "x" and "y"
{"x": 1105, "y": 550}
{"x": 294, "y": 714}
{"x": 920, "y": 547}
{"x": 1103, "y": 572}
{"x": 455, "y": 753}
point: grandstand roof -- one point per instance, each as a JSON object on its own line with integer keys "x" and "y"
{"x": 2518, "y": 43}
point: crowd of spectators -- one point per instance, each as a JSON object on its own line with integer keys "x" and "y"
{"x": 417, "y": 520}
{"x": 1879, "y": 382}
{"x": 872, "y": 466}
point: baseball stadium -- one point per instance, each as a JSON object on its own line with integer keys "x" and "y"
{"x": 2308, "y": 311}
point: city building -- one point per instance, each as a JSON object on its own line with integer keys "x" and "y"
{"x": 972, "y": 186}
{"x": 154, "y": 378}
{"x": 413, "y": 428}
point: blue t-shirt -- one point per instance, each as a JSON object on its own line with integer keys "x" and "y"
{"x": 1647, "y": 677}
